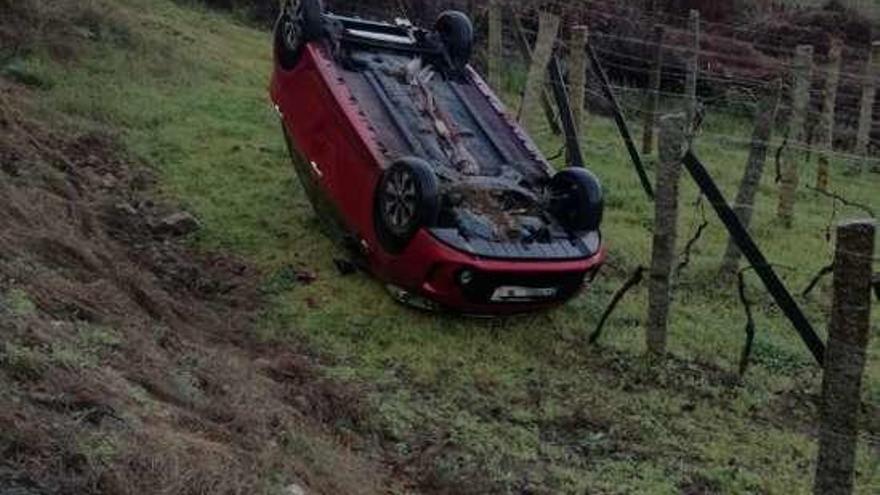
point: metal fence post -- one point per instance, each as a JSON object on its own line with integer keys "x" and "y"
{"x": 845, "y": 357}
{"x": 790, "y": 176}
{"x": 672, "y": 145}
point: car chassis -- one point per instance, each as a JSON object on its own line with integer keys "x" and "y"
{"x": 437, "y": 190}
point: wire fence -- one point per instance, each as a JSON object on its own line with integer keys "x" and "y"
{"x": 737, "y": 61}
{"x": 738, "y": 66}
{"x": 723, "y": 94}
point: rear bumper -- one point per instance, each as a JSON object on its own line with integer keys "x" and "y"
{"x": 460, "y": 282}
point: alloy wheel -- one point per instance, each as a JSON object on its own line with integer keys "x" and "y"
{"x": 291, "y": 27}
{"x": 400, "y": 201}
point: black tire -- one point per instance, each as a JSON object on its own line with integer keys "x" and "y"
{"x": 576, "y": 199}
{"x": 300, "y": 21}
{"x": 457, "y": 33}
{"x": 407, "y": 199}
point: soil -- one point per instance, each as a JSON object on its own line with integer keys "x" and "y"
{"x": 128, "y": 362}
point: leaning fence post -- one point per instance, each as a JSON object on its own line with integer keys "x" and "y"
{"x": 652, "y": 96}
{"x": 866, "y": 115}
{"x": 748, "y": 188}
{"x": 693, "y": 69}
{"x": 826, "y": 122}
{"x": 790, "y": 177}
{"x": 525, "y": 50}
{"x": 672, "y": 140}
{"x": 548, "y": 28}
{"x": 848, "y": 334}
{"x": 578, "y": 75}
{"x": 496, "y": 44}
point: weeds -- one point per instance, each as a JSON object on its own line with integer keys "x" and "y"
{"x": 61, "y": 27}
{"x": 17, "y": 302}
{"x": 22, "y": 72}
{"x": 98, "y": 449}
{"x": 21, "y": 362}
{"x": 70, "y": 357}
{"x": 98, "y": 337}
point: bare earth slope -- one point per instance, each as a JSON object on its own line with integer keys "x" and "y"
{"x": 127, "y": 360}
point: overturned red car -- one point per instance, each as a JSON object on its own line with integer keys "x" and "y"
{"x": 403, "y": 148}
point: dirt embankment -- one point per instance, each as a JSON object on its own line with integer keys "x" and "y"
{"x": 128, "y": 360}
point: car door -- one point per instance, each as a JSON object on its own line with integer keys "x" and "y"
{"x": 337, "y": 161}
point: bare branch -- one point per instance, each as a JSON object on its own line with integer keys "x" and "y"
{"x": 818, "y": 277}
{"x": 686, "y": 254}
{"x": 837, "y": 197}
{"x": 557, "y": 155}
{"x": 634, "y": 280}
{"x": 779, "y": 152}
{"x": 750, "y": 322}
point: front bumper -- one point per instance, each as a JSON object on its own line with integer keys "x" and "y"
{"x": 432, "y": 273}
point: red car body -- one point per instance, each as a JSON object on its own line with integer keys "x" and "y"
{"x": 340, "y": 162}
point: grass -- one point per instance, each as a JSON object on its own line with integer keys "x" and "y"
{"x": 513, "y": 405}
{"x": 22, "y": 362}
{"x": 17, "y": 302}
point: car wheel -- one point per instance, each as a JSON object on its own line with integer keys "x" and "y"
{"x": 300, "y": 21}
{"x": 407, "y": 199}
{"x": 457, "y": 33}
{"x": 576, "y": 199}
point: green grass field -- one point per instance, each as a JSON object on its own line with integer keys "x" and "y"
{"x": 520, "y": 405}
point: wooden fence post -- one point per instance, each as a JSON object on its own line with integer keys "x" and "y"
{"x": 652, "y": 96}
{"x": 826, "y": 122}
{"x": 848, "y": 335}
{"x": 866, "y": 115}
{"x": 578, "y": 75}
{"x": 693, "y": 70}
{"x": 525, "y": 50}
{"x": 672, "y": 145}
{"x": 496, "y": 44}
{"x": 547, "y": 31}
{"x": 748, "y": 188}
{"x": 802, "y": 74}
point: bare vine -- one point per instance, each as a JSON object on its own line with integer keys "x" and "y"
{"x": 634, "y": 280}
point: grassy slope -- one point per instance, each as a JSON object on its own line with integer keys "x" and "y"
{"x": 508, "y": 404}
